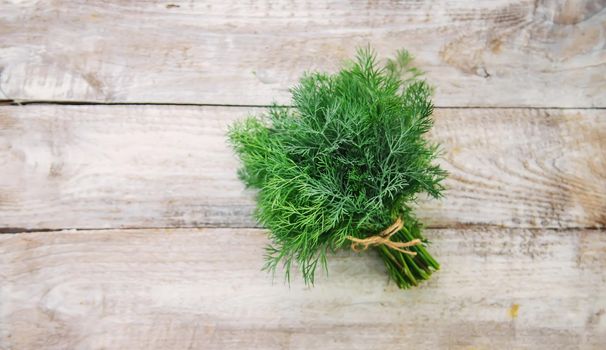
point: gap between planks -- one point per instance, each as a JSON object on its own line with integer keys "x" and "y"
{"x": 17, "y": 230}
{"x": 160, "y": 104}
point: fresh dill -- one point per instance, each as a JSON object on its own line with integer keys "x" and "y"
{"x": 347, "y": 160}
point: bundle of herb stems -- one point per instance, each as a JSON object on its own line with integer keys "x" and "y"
{"x": 343, "y": 166}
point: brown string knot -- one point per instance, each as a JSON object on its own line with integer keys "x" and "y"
{"x": 383, "y": 237}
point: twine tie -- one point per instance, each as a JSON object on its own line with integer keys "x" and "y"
{"x": 383, "y": 238}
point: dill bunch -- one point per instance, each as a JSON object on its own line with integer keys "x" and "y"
{"x": 344, "y": 163}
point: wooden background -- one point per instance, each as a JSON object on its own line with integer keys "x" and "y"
{"x": 125, "y": 227}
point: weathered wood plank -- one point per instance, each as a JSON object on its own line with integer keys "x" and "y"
{"x": 177, "y": 289}
{"x": 151, "y": 166}
{"x": 477, "y": 53}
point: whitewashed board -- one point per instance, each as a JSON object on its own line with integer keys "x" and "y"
{"x": 153, "y": 166}
{"x": 203, "y": 289}
{"x": 477, "y": 53}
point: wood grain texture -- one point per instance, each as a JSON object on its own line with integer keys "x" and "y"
{"x": 203, "y": 289}
{"x": 151, "y": 166}
{"x": 477, "y": 53}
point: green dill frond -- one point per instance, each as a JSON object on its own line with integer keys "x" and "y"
{"x": 346, "y": 160}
